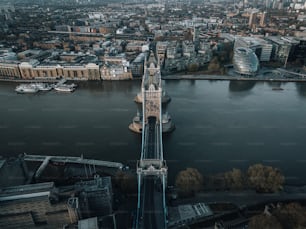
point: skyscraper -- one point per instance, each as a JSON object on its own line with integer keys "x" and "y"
{"x": 263, "y": 19}
{"x": 252, "y": 19}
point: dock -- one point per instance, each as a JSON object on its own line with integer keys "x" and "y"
{"x": 61, "y": 82}
{"x": 88, "y": 168}
{"x": 73, "y": 160}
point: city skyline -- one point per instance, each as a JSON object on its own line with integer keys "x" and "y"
{"x": 74, "y": 73}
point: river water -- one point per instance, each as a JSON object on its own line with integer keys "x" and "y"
{"x": 219, "y": 124}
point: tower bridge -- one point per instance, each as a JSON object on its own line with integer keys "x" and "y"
{"x": 152, "y": 99}
{"x": 151, "y": 168}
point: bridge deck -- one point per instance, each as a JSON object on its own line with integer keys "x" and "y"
{"x": 152, "y": 149}
{"x": 152, "y": 213}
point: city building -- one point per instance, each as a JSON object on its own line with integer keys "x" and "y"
{"x": 283, "y": 48}
{"x": 44, "y": 204}
{"x": 161, "y": 50}
{"x": 172, "y": 50}
{"x": 245, "y": 61}
{"x": 253, "y": 19}
{"x": 262, "y": 48}
{"x": 25, "y": 206}
{"x": 205, "y": 50}
{"x": 263, "y": 19}
{"x": 96, "y": 196}
{"x": 35, "y": 70}
{"x": 10, "y": 70}
{"x": 188, "y": 213}
{"x": 188, "y": 48}
{"x": 115, "y": 72}
{"x": 7, "y": 55}
{"x": 137, "y": 65}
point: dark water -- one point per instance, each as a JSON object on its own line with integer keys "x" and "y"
{"x": 219, "y": 124}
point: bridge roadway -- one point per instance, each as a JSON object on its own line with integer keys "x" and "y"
{"x": 151, "y": 148}
{"x": 151, "y": 214}
{"x": 152, "y": 210}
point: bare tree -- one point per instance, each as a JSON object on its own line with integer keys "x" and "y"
{"x": 189, "y": 181}
{"x": 234, "y": 179}
{"x": 265, "y": 178}
{"x": 264, "y": 222}
{"x": 214, "y": 65}
{"x": 288, "y": 216}
{"x": 291, "y": 215}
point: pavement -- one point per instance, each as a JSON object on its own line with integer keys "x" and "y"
{"x": 248, "y": 197}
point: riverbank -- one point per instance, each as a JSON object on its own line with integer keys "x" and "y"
{"x": 230, "y": 78}
{"x": 30, "y": 81}
{"x": 174, "y": 77}
{"x": 246, "y": 197}
{"x": 42, "y": 80}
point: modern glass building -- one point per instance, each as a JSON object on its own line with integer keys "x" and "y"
{"x": 245, "y": 61}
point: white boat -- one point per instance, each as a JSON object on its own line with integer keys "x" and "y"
{"x": 26, "y": 88}
{"x": 43, "y": 86}
{"x": 72, "y": 85}
{"x": 64, "y": 88}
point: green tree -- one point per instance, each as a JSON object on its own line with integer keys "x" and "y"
{"x": 265, "y": 178}
{"x": 189, "y": 181}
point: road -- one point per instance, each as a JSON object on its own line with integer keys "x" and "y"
{"x": 151, "y": 151}
{"x": 243, "y": 198}
{"x": 153, "y": 213}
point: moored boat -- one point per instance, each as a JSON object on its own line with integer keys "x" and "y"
{"x": 43, "y": 86}
{"x": 64, "y": 88}
{"x": 26, "y": 88}
{"x": 277, "y": 89}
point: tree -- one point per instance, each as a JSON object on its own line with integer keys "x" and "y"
{"x": 291, "y": 215}
{"x": 288, "y": 216}
{"x": 234, "y": 179}
{"x": 264, "y": 222}
{"x": 189, "y": 181}
{"x": 265, "y": 178}
{"x": 214, "y": 65}
{"x": 193, "y": 67}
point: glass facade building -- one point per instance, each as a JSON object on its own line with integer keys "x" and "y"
{"x": 245, "y": 61}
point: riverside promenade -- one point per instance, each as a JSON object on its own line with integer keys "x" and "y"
{"x": 227, "y": 77}
{"x": 278, "y": 75}
{"x": 265, "y": 74}
{"x": 248, "y": 197}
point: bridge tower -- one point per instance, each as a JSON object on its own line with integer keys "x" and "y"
{"x": 151, "y": 168}
{"x": 152, "y": 68}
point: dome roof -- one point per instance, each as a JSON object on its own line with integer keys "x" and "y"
{"x": 245, "y": 61}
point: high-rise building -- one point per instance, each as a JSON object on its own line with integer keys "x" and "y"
{"x": 261, "y": 47}
{"x": 253, "y": 19}
{"x": 263, "y": 19}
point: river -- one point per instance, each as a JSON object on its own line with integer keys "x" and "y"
{"x": 219, "y": 124}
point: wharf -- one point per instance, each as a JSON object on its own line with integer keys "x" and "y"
{"x": 73, "y": 160}
{"x": 42, "y": 80}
